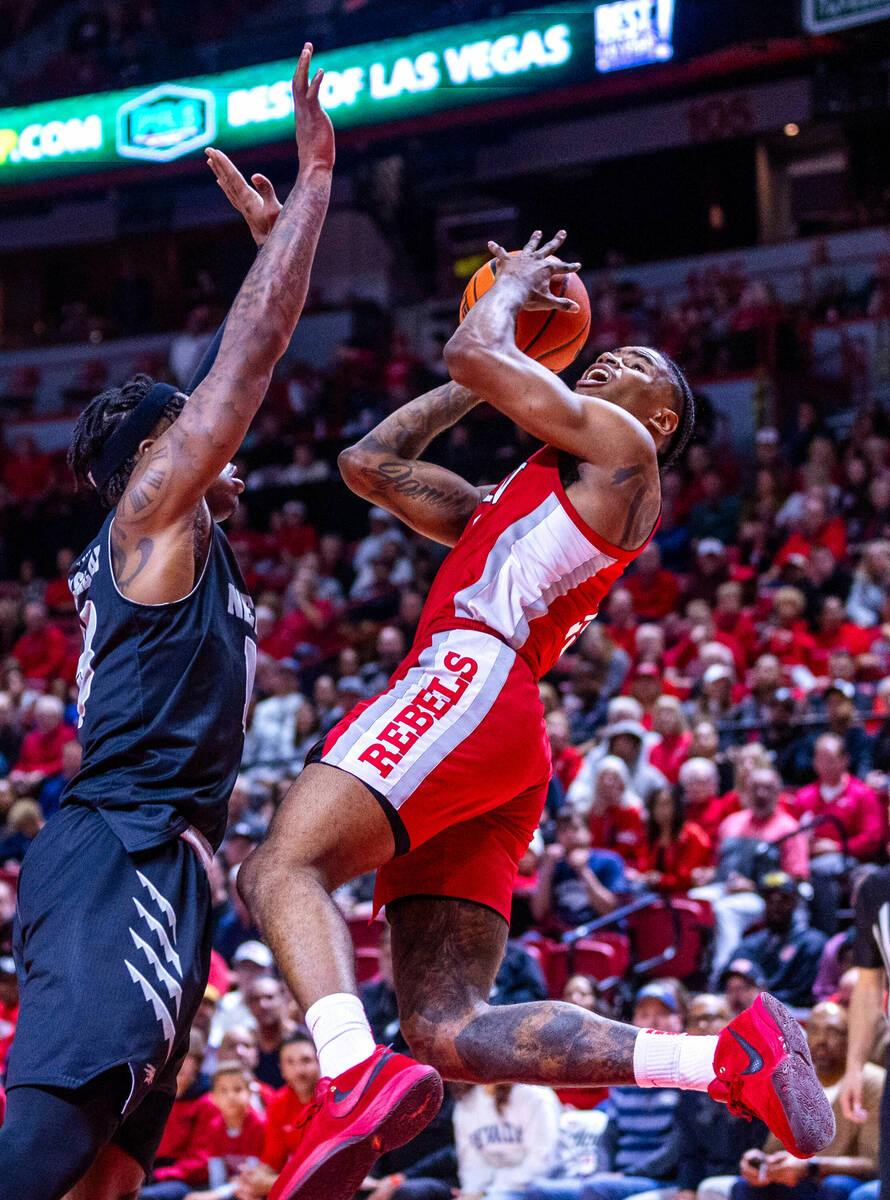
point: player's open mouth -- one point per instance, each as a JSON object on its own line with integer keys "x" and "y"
{"x": 598, "y": 373}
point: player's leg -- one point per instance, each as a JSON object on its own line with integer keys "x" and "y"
{"x": 446, "y": 954}
{"x": 328, "y": 830}
{"x": 114, "y": 1175}
{"x": 51, "y": 1136}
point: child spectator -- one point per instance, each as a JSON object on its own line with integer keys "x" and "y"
{"x": 286, "y": 1115}
{"x": 231, "y": 1137}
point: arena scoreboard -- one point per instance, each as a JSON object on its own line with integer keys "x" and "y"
{"x": 393, "y": 80}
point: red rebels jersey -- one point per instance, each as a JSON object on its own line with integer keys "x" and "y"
{"x": 526, "y": 568}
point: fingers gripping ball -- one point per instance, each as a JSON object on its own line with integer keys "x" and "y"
{"x": 552, "y": 337}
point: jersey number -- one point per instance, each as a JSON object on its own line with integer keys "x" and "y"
{"x": 249, "y": 672}
{"x": 85, "y": 662}
{"x": 575, "y": 632}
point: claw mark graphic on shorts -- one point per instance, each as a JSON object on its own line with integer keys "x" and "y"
{"x": 161, "y": 901}
{"x": 174, "y": 991}
{"x": 156, "y": 927}
{"x": 165, "y": 978}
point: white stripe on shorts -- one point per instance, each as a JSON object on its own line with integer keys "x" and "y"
{"x": 493, "y": 659}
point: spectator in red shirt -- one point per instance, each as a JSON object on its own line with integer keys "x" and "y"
{"x": 814, "y": 529}
{"x": 699, "y": 781}
{"x": 674, "y": 846}
{"x": 310, "y": 627}
{"x": 57, "y": 597}
{"x": 42, "y": 748}
{"x": 566, "y": 758}
{"x": 654, "y": 590}
{"x": 615, "y": 817}
{"x": 834, "y": 632}
{"x": 231, "y": 1134}
{"x": 294, "y": 537}
{"x": 670, "y": 752}
{"x": 729, "y": 618}
{"x": 26, "y": 473}
{"x": 286, "y": 1116}
{"x": 786, "y": 635}
{"x": 839, "y": 794}
{"x": 711, "y": 571}
{"x": 645, "y": 687}
{"x": 622, "y": 619}
{"x": 42, "y": 649}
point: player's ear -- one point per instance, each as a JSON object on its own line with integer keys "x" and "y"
{"x": 145, "y": 445}
{"x": 665, "y": 420}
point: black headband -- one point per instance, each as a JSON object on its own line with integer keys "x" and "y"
{"x": 134, "y": 428}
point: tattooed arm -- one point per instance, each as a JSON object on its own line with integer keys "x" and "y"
{"x": 384, "y": 468}
{"x": 620, "y": 499}
{"x": 175, "y": 470}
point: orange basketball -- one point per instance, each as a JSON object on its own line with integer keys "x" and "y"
{"x": 552, "y": 337}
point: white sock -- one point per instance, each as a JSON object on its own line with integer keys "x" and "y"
{"x": 341, "y": 1033}
{"x": 674, "y": 1060}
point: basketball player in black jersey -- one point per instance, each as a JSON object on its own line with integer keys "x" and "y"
{"x": 112, "y": 929}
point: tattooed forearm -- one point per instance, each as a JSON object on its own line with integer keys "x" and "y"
{"x": 400, "y": 478}
{"x": 409, "y": 430}
{"x": 268, "y": 306}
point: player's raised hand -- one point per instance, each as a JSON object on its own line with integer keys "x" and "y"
{"x": 315, "y": 133}
{"x": 258, "y": 205}
{"x": 534, "y": 266}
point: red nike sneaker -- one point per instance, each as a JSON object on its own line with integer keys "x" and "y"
{"x": 764, "y": 1069}
{"x": 382, "y": 1103}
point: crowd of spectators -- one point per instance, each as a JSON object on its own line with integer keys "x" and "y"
{"x": 125, "y": 43}
{"x": 726, "y": 322}
{"x": 720, "y": 739}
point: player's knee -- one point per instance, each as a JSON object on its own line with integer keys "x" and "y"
{"x": 253, "y": 870}
{"x": 437, "y": 1043}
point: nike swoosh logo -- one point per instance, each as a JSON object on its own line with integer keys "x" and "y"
{"x": 358, "y": 1089}
{"x": 756, "y": 1063}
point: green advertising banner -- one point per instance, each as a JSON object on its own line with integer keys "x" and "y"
{"x": 371, "y": 84}
{"x": 824, "y": 16}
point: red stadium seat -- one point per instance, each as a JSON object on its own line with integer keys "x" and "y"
{"x": 367, "y": 963}
{"x": 597, "y": 959}
{"x": 654, "y": 935}
{"x": 620, "y": 943}
{"x": 364, "y": 932}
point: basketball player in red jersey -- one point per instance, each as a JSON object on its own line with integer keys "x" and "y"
{"x": 439, "y": 781}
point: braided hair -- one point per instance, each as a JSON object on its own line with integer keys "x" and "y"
{"x": 97, "y": 423}
{"x": 670, "y": 454}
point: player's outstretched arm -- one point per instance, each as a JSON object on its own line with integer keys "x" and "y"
{"x": 482, "y": 354}
{"x": 172, "y": 476}
{"x": 384, "y": 467}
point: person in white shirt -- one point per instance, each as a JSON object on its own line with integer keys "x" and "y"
{"x": 505, "y": 1135}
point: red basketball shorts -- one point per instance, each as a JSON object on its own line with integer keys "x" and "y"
{"x": 457, "y": 754}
